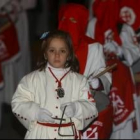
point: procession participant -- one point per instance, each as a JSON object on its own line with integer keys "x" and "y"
{"x": 73, "y": 18}
{"x": 55, "y": 89}
{"x": 8, "y": 55}
{"x": 128, "y": 47}
{"x": 129, "y": 14}
{"x": 16, "y": 11}
{"x": 108, "y": 34}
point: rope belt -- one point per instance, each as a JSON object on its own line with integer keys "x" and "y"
{"x": 62, "y": 125}
{"x": 56, "y": 125}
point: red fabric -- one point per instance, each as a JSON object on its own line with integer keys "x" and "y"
{"x": 134, "y": 9}
{"x": 8, "y": 42}
{"x": 76, "y": 29}
{"x": 107, "y": 13}
{"x": 62, "y": 125}
{"x": 73, "y": 18}
{"x": 102, "y": 127}
{"x": 55, "y": 124}
{"x": 122, "y": 91}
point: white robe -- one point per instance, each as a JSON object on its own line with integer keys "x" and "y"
{"x": 96, "y": 64}
{"x": 37, "y": 89}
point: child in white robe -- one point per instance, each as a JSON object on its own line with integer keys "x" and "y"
{"x": 53, "y": 92}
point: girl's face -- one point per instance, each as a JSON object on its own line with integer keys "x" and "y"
{"x": 57, "y": 53}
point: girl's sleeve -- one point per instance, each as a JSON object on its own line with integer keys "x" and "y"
{"x": 23, "y": 105}
{"x": 86, "y": 107}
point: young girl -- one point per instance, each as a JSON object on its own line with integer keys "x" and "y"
{"x": 54, "y": 102}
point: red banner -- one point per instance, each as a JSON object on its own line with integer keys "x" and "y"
{"x": 121, "y": 93}
{"x": 9, "y": 47}
{"x": 102, "y": 127}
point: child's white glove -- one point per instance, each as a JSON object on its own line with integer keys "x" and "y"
{"x": 94, "y": 82}
{"x": 43, "y": 115}
{"x": 70, "y": 109}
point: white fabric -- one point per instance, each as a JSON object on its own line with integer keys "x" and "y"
{"x": 3, "y": 3}
{"x": 38, "y": 90}
{"x": 96, "y": 64}
{"x": 43, "y": 115}
{"x": 90, "y": 3}
{"x": 71, "y": 109}
{"x": 113, "y": 47}
{"x": 125, "y": 133}
{"x": 131, "y": 50}
{"x": 136, "y": 102}
{"x": 94, "y": 82}
{"x": 91, "y": 28}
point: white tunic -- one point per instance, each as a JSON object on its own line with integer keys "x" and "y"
{"x": 96, "y": 64}
{"x": 37, "y": 89}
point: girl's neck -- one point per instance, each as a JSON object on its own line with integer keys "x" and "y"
{"x": 58, "y": 71}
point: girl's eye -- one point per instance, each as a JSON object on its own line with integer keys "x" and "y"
{"x": 51, "y": 51}
{"x": 63, "y": 51}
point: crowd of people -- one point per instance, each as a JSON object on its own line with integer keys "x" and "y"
{"x": 14, "y": 46}
{"x": 74, "y": 79}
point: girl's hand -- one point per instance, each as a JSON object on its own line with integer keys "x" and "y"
{"x": 70, "y": 109}
{"x": 43, "y": 115}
